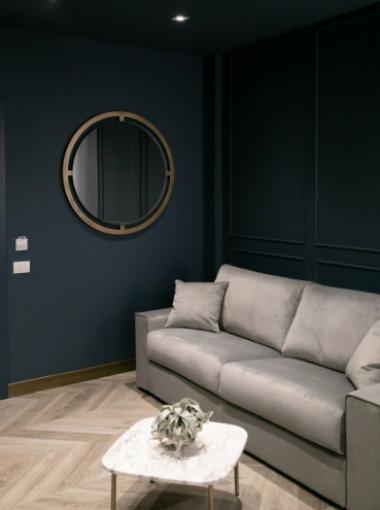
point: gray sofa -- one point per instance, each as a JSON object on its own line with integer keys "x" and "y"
{"x": 277, "y": 368}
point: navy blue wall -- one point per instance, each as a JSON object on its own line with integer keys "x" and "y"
{"x": 76, "y": 307}
{"x": 4, "y": 365}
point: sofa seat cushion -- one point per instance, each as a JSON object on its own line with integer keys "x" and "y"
{"x": 200, "y": 355}
{"x": 300, "y": 397}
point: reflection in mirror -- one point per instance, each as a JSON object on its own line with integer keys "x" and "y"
{"x": 119, "y": 172}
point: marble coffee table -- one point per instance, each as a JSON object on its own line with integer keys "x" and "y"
{"x": 210, "y": 459}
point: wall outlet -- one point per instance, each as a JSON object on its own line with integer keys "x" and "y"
{"x": 21, "y": 266}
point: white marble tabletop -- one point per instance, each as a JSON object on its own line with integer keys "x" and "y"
{"x": 210, "y": 459}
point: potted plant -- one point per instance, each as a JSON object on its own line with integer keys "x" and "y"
{"x": 178, "y": 424}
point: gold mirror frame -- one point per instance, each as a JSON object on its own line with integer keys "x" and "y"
{"x": 120, "y": 229}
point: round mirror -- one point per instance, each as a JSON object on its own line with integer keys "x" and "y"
{"x": 118, "y": 173}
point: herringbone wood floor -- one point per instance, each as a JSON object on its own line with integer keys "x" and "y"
{"x": 51, "y": 444}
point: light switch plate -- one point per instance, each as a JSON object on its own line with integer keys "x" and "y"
{"x": 21, "y": 243}
{"x": 21, "y": 266}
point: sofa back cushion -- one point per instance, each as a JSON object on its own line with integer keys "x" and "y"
{"x": 329, "y": 325}
{"x": 259, "y": 306}
{"x": 363, "y": 368}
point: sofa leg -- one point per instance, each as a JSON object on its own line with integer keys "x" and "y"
{"x": 210, "y": 497}
{"x": 113, "y": 491}
{"x": 237, "y": 485}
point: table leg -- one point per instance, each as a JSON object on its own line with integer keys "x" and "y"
{"x": 237, "y": 485}
{"x": 113, "y": 491}
{"x": 210, "y": 497}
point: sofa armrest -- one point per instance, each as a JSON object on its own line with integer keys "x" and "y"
{"x": 363, "y": 449}
{"x": 146, "y": 322}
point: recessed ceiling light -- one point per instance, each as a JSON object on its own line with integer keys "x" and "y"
{"x": 180, "y": 18}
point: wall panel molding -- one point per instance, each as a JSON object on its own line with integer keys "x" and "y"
{"x": 267, "y": 254}
{"x": 347, "y": 265}
{"x": 266, "y": 239}
{"x": 347, "y": 248}
{"x": 209, "y": 86}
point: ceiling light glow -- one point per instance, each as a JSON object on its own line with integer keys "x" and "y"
{"x": 180, "y": 18}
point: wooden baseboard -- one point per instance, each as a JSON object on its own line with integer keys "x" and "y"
{"x": 53, "y": 381}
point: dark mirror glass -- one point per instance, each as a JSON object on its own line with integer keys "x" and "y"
{"x": 119, "y": 172}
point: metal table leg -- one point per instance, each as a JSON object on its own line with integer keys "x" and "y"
{"x": 210, "y": 497}
{"x": 113, "y": 491}
{"x": 237, "y": 485}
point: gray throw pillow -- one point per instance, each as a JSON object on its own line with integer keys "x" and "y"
{"x": 197, "y": 305}
{"x": 363, "y": 369}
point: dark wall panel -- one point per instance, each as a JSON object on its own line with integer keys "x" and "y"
{"x": 271, "y": 263}
{"x": 271, "y": 115}
{"x": 349, "y": 275}
{"x": 272, "y": 119}
{"x": 76, "y": 308}
{"x": 303, "y": 175}
{"x": 348, "y": 177}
